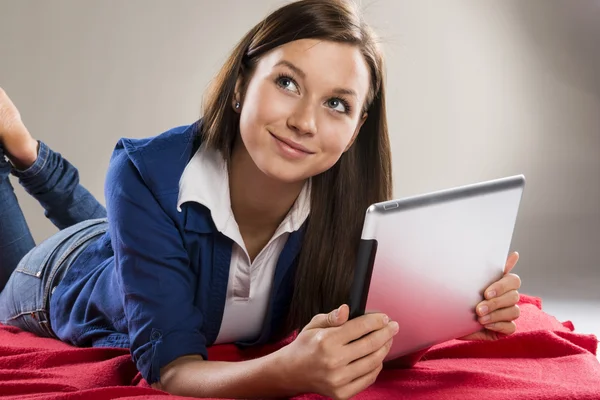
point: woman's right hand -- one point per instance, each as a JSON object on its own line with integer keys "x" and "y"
{"x": 338, "y": 358}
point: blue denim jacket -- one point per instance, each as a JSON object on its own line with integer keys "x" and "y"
{"x": 156, "y": 282}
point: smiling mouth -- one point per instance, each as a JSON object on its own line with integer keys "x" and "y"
{"x": 292, "y": 144}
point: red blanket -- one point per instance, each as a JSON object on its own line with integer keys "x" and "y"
{"x": 545, "y": 359}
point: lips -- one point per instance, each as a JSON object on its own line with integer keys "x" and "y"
{"x": 293, "y": 145}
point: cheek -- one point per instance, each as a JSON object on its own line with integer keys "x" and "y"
{"x": 335, "y": 140}
{"x": 263, "y": 106}
{"x": 332, "y": 143}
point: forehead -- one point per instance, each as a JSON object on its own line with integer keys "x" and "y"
{"x": 326, "y": 64}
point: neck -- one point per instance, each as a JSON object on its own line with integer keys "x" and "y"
{"x": 258, "y": 202}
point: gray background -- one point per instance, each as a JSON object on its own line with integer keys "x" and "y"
{"x": 477, "y": 90}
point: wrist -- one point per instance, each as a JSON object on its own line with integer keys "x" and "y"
{"x": 283, "y": 372}
{"x": 25, "y": 155}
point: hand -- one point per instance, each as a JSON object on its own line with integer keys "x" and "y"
{"x": 498, "y": 312}
{"x": 338, "y": 358}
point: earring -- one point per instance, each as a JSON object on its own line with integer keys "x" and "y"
{"x": 237, "y": 105}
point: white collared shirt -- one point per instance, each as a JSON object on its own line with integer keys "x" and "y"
{"x": 205, "y": 180}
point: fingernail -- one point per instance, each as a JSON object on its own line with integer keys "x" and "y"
{"x": 491, "y": 293}
{"x": 490, "y": 326}
{"x": 336, "y": 312}
{"x": 395, "y": 327}
{"x": 386, "y": 319}
{"x": 485, "y": 319}
{"x": 483, "y": 310}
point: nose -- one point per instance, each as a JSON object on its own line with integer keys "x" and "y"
{"x": 303, "y": 119}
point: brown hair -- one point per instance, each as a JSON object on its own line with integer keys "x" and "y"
{"x": 340, "y": 195}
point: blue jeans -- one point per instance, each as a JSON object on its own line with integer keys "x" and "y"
{"x": 29, "y": 273}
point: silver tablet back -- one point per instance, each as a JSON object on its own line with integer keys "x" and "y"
{"x": 435, "y": 255}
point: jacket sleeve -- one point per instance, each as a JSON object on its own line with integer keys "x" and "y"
{"x": 155, "y": 280}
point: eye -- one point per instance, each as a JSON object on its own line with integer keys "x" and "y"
{"x": 339, "y": 105}
{"x": 287, "y": 83}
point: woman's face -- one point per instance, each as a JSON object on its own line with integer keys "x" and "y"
{"x": 303, "y": 107}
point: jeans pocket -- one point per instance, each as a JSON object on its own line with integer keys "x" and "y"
{"x": 31, "y": 265}
{"x": 64, "y": 242}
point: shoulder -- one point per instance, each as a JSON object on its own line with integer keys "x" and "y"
{"x": 159, "y": 160}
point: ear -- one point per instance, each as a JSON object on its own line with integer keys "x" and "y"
{"x": 354, "y": 136}
{"x": 237, "y": 98}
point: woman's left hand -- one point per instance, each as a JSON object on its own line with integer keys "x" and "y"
{"x": 499, "y": 309}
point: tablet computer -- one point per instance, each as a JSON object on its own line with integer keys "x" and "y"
{"x": 426, "y": 260}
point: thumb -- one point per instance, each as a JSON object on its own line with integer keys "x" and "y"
{"x": 337, "y": 317}
{"x": 511, "y": 261}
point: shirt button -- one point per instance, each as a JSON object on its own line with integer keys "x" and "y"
{"x": 155, "y": 335}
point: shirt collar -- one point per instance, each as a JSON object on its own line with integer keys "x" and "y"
{"x": 205, "y": 180}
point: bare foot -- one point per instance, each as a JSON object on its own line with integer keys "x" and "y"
{"x": 19, "y": 146}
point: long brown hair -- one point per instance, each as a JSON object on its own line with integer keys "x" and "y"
{"x": 340, "y": 195}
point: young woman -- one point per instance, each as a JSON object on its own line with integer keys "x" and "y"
{"x": 227, "y": 230}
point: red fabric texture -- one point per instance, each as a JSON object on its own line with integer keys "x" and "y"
{"x": 545, "y": 359}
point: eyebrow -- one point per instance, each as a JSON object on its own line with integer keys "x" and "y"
{"x": 301, "y": 73}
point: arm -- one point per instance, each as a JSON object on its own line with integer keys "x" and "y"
{"x": 154, "y": 277}
{"x": 331, "y": 356}
{"x": 164, "y": 325}
{"x": 194, "y": 377}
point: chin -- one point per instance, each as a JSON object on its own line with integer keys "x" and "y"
{"x": 289, "y": 177}
{"x": 284, "y": 173}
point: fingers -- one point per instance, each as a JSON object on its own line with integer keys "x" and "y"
{"x": 358, "y": 385}
{"x": 351, "y": 378}
{"x": 508, "y": 299}
{"x": 361, "y": 326}
{"x": 507, "y": 283}
{"x": 505, "y": 328}
{"x": 500, "y": 308}
{"x": 371, "y": 343}
{"x": 370, "y": 361}
{"x": 335, "y": 318}
{"x": 508, "y": 314}
{"x": 511, "y": 261}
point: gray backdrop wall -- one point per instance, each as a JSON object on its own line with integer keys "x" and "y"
{"x": 477, "y": 90}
